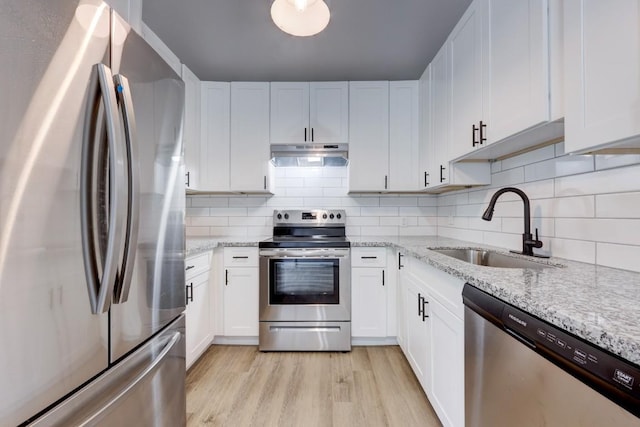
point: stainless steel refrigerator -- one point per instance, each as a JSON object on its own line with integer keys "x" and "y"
{"x": 91, "y": 221}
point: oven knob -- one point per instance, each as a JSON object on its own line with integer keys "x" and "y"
{"x": 324, "y": 216}
{"x": 286, "y": 216}
{"x": 339, "y": 216}
{"x": 331, "y": 216}
{"x": 279, "y": 216}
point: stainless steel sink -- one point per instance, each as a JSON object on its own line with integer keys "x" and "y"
{"x": 491, "y": 259}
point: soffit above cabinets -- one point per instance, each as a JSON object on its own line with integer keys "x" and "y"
{"x": 232, "y": 40}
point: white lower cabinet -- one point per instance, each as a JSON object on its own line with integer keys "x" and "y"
{"x": 447, "y": 364}
{"x": 369, "y": 283}
{"x": 433, "y": 336}
{"x": 198, "y": 331}
{"x": 417, "y": 345}
{"x": 240, "y": 293}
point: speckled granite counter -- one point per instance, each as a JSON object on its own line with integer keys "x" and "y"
{"x": 196, "y": 245}
{"x": 599, "y": 304}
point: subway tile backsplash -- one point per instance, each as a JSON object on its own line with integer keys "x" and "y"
{"x": 587, "y": 208}
{"x": 300, "y": 188}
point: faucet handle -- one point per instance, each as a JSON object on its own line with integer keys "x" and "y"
{"x": 536, "y": 242}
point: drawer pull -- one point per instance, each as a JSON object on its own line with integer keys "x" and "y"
{"x": 369, "y": 257}
{"x": 189, "y": 267}
{"x": 240, "y": 257}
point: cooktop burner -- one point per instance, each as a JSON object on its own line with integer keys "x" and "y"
{"x": 308, "y": 228}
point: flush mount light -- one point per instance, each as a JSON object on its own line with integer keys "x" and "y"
{"x": 301, "y": 18}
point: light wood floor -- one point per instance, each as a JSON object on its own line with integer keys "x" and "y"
{"x": 370, "y": 386}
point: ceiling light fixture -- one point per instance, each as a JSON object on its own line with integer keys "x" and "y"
{"x": 301, "y": 18}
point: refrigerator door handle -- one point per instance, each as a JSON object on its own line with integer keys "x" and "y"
{"x": 135, "y": 381}
{"x": 104, "y": 114}
{"x": 123, "y": 93}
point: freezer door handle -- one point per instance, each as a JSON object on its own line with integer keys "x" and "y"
{"x": 103, "y": 115}
{"x": 123, "y": 93}
{"x": 92, "y": 420}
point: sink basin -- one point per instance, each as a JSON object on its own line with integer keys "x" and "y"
{"x": 491, "y": 259}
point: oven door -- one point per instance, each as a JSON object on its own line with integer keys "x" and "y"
{"x": 305, "y": 284}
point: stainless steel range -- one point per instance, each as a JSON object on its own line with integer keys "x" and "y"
{"x": 305, "y": 283}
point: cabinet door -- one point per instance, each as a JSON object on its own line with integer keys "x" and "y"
{"x": 465, "y": 82}
{"x": 241, "y": 301}
{"x": 602, "y": 65}
{"x": 368, "y": 136}
{"x": 249, "y": 153}
{"x": 368, "y": 302}
{"x": 439, "y": 87}
{"x": 215, "y": 124}
{"x": 191, "y": 129}
{"x": 198, "y": 333}
{"x": 329, "y": 112}
{"x": 417, "y": 329}
{"x": 403, "y": 136}
{"x": 516, "y": 66}
{"x": 425, "y": 147}
{"x": 290, "y": 113}
{"x": 447, "y": 364}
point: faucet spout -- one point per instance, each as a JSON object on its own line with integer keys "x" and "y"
{"x": 528, "y": 242}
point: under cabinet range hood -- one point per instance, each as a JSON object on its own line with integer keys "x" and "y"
{"x": 283, "y": 155}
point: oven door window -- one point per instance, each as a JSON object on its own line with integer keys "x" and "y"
{"x": 304, "y": 281}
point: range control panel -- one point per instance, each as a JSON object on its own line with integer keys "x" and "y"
{"x": 310, "y": 218}
{"x": 572, "y": 350}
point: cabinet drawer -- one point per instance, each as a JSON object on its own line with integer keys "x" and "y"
{"x": 369, "y": 257}
{"x": 197, "y": 264}
{"x": 241, "y": 257}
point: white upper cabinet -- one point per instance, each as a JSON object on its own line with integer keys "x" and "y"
{"x": 465, "y": 82}
{"x": 249, "y": 151}
{"x": 191, "y": 130}
{"x": 506, "y": 93}
{"x": 384, "y": 136}
{"x": 441, "y": 173}
{"x": 425, "y": 148}
{"x": 404, "y": 122}
{"x": 369, "y": 136}
{"x": 309, "y": 112}
{"x": 215, "y": 136}
{"x": 602, "y": 69}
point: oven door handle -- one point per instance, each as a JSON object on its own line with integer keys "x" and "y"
{"x": 305, "y": 253}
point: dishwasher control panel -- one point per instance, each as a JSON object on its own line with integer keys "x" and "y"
{"x": 564, "y": 348}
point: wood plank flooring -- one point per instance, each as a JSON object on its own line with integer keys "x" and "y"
{"x": 370, "y": 386}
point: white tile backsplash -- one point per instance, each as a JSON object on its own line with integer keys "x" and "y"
{"x": 587, "y": 208}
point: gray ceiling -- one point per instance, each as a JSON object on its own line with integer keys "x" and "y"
{"x": 235, "y": 40}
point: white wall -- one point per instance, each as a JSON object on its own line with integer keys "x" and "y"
{"x": 297, "y": 188}
{"x": 587, "y": 208}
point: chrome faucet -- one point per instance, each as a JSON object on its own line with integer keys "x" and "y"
{"x": 528, "y": 242}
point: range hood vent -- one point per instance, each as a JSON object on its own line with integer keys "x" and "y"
{"x": 319, "y": 155}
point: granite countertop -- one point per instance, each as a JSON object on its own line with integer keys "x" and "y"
{"x": 598, "y": 304}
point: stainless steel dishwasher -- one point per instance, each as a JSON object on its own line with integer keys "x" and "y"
{"x": 522, "y": 371}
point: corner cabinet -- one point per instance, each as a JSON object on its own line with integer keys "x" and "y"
{"x": 198, "y": 331}
{"x": 304, "y": 112}
{"x": 240, "y": 293}
{"x": 249, "y": 151}
{"x": 433, "y": 335}
{"x": 602, "y": 69}
{"x": 441, "y": 173}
